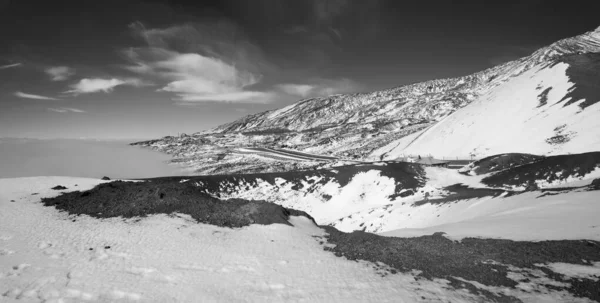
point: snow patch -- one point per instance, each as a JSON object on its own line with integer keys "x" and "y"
{"x": 523, "y": 217}
{"x": 575, "y": 270}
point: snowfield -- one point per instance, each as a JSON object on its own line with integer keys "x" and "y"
{"x": 53, "y": 257}
{"x": 526, "y": 217}
{"x": 510, "y": 119}
{"x": 50, "y": 256}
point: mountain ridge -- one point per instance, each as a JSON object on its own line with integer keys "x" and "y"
{"x": 584, "y": 43}
{"x": 378, "y": 125}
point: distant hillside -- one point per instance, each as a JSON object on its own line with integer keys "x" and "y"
{"x": 543, "y": 104}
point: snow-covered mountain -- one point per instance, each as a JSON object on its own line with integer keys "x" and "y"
{"x": 545, "y": 104}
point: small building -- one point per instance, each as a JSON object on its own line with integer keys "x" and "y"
{"x": 432, "y": 162}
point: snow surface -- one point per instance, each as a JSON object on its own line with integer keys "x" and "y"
{"x": 527, "y": 216}
{"x": 575, "y": 270}
{"x": 442, "y": 177}
{"x": 507, "y": 119}
{"x": 325, "y": 202}
{"x": 366, "y": 198}
{"x": 50, "y": 256}
{"x": 365, "y": 204}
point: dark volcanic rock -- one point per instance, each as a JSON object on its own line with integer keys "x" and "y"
{"x": 59, "y": 187}
{"x": 482, "y": 260}
{"x": 459, "y": 192}
{"x": 105, "y": 178}
{"x": 595, "y": 184}
{"x": 139, "y": 199}
{"x": 532, "y": 187}
{"x": 499, "y": 162}
{"x": 548, "y": 169}
{"x": 408, "y": 178}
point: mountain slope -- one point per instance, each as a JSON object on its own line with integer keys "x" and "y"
{"x": 540, "y": 111}
{"x": 553, "y": 67}
{"x": 543, "y": 104}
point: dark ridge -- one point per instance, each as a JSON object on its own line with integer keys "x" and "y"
{"x": 269, "y": 131}
{"x": 548, "y": 169}
{"x": 140, "y": 199}
{"x": 406, "y": 175}
{"x": 58, "y": 187}
{"x": 481, "y": 260}
{"x": 463, "y": 192}
{"x": 584, "y": 71}
{"x": 293, "y": 153}
{"x": 501, "y": 162}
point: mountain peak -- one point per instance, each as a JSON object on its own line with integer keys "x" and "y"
{"x": 588, "y": 42}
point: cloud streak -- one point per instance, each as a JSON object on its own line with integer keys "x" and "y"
{"x": 320, "y": 88}
{"x": 59, "y": 73}
{"x": 10, "y": 65}
{"x": 301, "y": 90}
{"x": 65, "y": 110}
{"x": 234, "y": 97}
{"x": 94, "y": 85}
{"x": 32, "y": 96}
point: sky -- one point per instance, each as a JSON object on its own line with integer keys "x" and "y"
{"x": 146, "y": 69}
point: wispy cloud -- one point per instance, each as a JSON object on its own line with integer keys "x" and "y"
{"x": 32, "y": 96}
{"x": 297, "y": 89}
{"x": 238, "y": 97}
{"x": 321, "y": 87}
{"x": 59, "y": 73}
{"x": 198, "y": 73}
{"x": 10, "y": 65}
{"x": 93, "y": 85}
{"x": 65, "y": 110}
